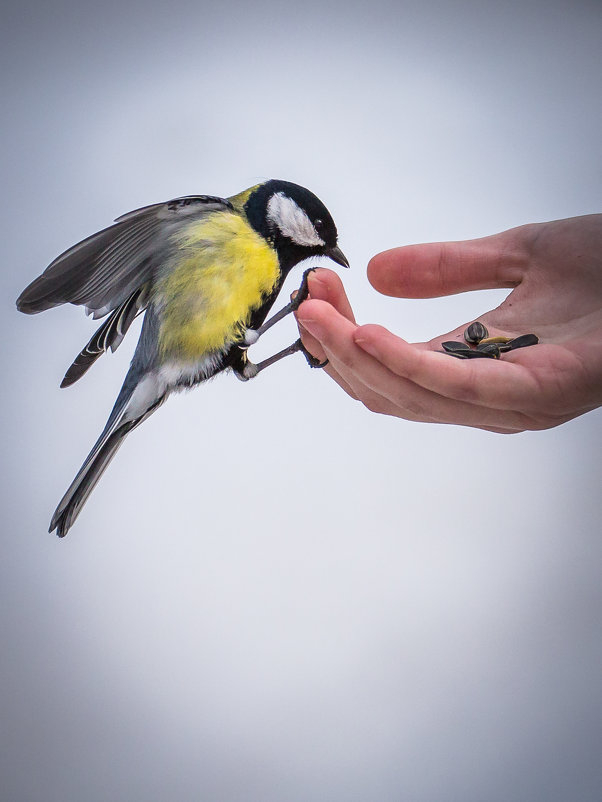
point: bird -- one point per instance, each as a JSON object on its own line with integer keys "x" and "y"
{"x": 205, "y": 272}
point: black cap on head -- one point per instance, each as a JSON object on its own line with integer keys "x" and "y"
{"x": 294, "y": 220}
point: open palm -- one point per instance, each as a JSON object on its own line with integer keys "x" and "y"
{"x": 555, "y": 270}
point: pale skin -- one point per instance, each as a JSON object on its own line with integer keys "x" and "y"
{"x": 555, "y": 270}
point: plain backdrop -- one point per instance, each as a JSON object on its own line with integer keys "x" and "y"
{"x": 274, "y": 594}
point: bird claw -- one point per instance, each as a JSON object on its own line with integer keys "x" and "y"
{"x": 312, "y": 361}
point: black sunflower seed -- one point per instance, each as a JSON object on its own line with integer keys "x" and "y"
{"x": 475, "y": 333}
{"x": 491, "y": 349}
{"x": 453, "y": 347}
{"x": 523, "y": 341}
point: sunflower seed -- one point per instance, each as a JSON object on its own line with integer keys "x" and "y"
{"x": 480, "y": 355}
{"x": 491, "y": 349}
{"x": 523, "y": 341}
{"x": 453, "y": 347}
{"x": 475, "y": 333}
{"x": 498, "y": 339}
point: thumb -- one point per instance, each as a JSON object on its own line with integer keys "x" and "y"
{"x": 445, "y": 268}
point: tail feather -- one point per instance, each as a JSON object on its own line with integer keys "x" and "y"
{"x": 127, "y": 414}
{"x": 85, "y": 482}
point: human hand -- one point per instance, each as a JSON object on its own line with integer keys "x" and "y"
{"x": 556, "y": 272}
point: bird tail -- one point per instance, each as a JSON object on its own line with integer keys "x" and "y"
{"x": 136, "y": 402}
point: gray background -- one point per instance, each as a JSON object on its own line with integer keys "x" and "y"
{"x": 274, "y": 594}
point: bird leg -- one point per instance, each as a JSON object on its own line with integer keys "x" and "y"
{"x": 245, "y": 369}
{"x": 249, "y": 370}
{"x": 252, "y": 335}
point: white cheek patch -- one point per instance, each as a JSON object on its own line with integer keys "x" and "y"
{"x": 292, "y": 221}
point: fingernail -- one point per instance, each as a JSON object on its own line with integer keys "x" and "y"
{"x": 315, "y": 329}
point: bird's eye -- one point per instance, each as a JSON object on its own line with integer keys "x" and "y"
{"x": 318, "y": 224}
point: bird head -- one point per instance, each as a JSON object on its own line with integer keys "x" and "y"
{"x": 295, "y": 221}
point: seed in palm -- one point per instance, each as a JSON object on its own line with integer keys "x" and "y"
{"x": 523, "y": 341}
{"x": 499, "y": 339}
{"x": 475, "y": 333}
{"x": 490, "y": 349}
{"x": 478, "y": 354}
{"x": 454, "y": 347}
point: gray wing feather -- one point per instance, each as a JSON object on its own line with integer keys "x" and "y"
{"x": 102, "y": 271}
{"x": 109, "y": 335}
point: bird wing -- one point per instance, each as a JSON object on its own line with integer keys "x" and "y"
{"x": 104, "y": 270}
{"x": 109, "y": 335}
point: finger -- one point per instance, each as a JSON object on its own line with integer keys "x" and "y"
{"x": 315, "y": 349}
{"x": 336, "y": 376}
{"x": 498, "y": 430}
{"x": 329, "y": 327}
{"x": 382, "y": 390}
{"x": 444, "y": 268}
{"x": 488, "y": 383}
{"x": 358, "y": 390}
{"x": 311, "y": 343}
{"x": 324, "y": 327}
{"x": 325, "y": 285}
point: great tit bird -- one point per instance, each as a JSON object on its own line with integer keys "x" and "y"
{"x": 205, "y": 271}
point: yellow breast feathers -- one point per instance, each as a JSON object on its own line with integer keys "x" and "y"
{"x": 222, "y": 271}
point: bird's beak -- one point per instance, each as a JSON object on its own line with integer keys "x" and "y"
{"x": 337, "y": 255}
